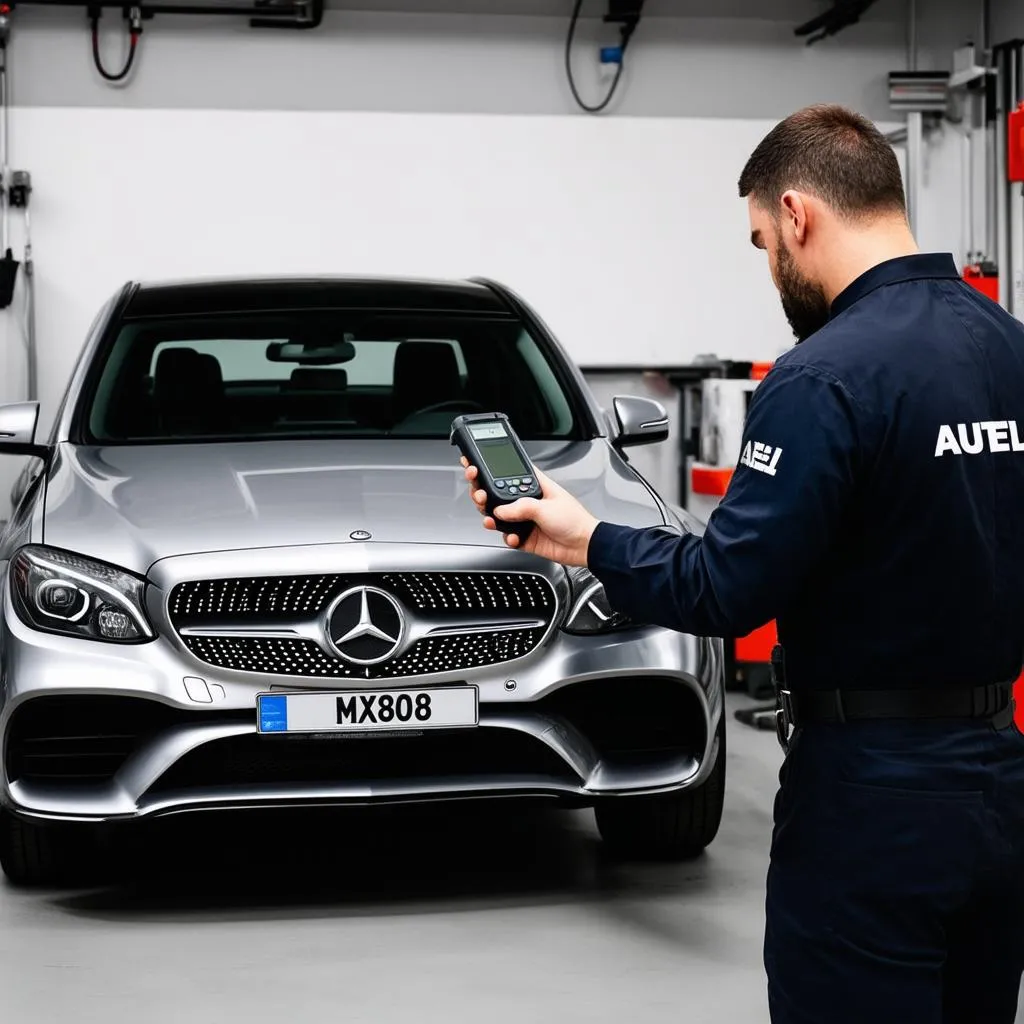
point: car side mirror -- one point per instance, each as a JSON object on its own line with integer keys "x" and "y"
{"x": 18, "y": 423}
{"x": 639, "y": 421}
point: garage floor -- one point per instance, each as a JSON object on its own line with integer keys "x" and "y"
{"x": 421, "y": 918}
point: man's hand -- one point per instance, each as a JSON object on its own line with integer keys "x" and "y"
{"x": 562, "y": 526}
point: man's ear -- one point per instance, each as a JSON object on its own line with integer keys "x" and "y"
{"x": 795, "y": 215}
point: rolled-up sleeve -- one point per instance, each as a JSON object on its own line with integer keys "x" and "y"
{"x": 781, "y": 513}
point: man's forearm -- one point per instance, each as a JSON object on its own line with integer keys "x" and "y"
{"x": 662, "y": 579}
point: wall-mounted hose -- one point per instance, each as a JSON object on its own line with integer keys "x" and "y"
{"x": 134, "y": 32}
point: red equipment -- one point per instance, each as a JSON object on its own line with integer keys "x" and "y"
{"x": 1015, "y": 144}
{"x": 985, "y": 278}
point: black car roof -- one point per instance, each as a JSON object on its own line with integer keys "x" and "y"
{"x": 256, "y": 295}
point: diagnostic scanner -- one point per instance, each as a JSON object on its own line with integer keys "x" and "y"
{"x": 504, "y": 472}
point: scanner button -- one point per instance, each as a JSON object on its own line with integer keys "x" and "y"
{"x": 514, "y": 483}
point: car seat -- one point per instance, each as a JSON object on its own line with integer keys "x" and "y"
{"x": 426, "y": 373}
{"x": 188, "y": 389}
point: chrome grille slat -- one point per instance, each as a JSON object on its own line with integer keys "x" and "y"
{"x": 474, "y": 619}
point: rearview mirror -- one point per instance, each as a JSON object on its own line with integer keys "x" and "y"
{"x": 639, "y": 420}
{"x": 309, "y": 354}
{"x": 18, "y": 424}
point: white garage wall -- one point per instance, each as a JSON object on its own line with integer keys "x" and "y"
{"x": 433, "y": 144}
{"x": 620, "y": 267}
{"x": 625, "y": 271}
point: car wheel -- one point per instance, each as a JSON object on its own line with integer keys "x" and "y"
{"x": 670, "y": 826}
{"x": 39, "y": 855}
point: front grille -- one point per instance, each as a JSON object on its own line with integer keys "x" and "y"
{"x": 78, "y": 741}
{"x": 443, "y": 600}
{"x": 200, "y": 603}
{"x": 298, "y": 760}
{"x": 286, "y": 657}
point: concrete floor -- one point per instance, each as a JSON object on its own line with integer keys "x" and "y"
{"x": 451, "y": 918}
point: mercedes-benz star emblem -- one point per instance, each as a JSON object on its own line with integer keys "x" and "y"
{"x": 365, "y": 626}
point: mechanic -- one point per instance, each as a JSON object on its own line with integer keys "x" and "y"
{"x": 876, "y": 514}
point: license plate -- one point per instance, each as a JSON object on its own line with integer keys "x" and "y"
{"x": 368, "y": 711}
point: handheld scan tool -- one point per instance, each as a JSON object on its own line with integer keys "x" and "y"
{"x": 504, "y": 472}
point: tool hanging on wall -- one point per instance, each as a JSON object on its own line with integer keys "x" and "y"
{"x": 18, "y": 194}
{"x": 842, "y": 14}
{"x": 8, "y": 264}
{"x": 286, "y": 14}
{"x": 15, "y": 189}
{"x": 134, "y": 18}
{"x": 624, "y": 13}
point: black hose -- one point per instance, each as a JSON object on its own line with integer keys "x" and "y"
{"x": 568, "y": 67}
{"x": 133, "y": 35}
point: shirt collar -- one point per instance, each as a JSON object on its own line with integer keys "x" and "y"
{"x": 904, "y": 268}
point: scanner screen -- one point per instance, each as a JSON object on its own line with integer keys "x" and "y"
{"x": 502, "y": 459}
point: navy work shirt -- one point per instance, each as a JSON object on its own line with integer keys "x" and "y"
{"x": 877, "y": 512}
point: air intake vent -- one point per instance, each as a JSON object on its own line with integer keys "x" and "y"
{"x": 82, "y": 741}
{"x": 499, "y": 754}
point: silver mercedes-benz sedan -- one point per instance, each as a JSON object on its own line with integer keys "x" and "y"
{"x": 244, "y": 572}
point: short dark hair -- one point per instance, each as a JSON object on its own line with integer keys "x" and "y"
{"x": 832, "y": 153}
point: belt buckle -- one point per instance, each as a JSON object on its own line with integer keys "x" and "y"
{"x": 783, "y": 717}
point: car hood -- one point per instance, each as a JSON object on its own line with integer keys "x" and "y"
{"x": 133, "y": 505}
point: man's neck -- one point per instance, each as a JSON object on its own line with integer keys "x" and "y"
{"x": 863, "y": 250}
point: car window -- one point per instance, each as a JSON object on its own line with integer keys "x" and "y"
{"x": 372, "y": 364}
{"x": 364, "y": 374}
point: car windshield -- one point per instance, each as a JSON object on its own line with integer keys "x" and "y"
{"x": 338, "y": 374}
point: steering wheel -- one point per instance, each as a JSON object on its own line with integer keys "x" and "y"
{"x": 452, "y": 403}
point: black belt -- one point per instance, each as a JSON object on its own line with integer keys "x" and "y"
{"x": 858, "y": 705}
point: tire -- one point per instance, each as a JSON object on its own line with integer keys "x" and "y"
{"x": 670, "y": 826}
{"x": 44, "y": 855}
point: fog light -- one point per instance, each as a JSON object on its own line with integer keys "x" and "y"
{"x": 115, "y": 625}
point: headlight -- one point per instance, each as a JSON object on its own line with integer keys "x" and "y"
{"x": 589, "y": 611}
{"x": 59, "y": 592}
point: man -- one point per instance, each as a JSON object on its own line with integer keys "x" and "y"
{"x": 888, "y": 542}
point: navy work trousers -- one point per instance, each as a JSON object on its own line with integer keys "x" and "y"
{"x": 896, "y": 886}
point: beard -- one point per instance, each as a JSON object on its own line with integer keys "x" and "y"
{"x": 803, "y": 301}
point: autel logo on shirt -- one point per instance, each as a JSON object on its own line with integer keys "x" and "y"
{"x": 761, "y": 457}
{"x": 973, "y": 438}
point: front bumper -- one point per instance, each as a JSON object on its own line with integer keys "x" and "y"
{"x": 95, "y": 732}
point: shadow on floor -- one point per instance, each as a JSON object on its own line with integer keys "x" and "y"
{"x": 400, "y": 860}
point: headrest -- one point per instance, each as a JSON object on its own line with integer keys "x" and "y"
{"x": 426, "y": 372}
{"x": 181, "y": 372}
{"x": 175, "y": 366}
{"x": 308, "y": 378}
{"x": 436, "y": 358}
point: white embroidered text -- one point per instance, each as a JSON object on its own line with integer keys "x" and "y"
{"x": 973, "y": 438}
{"x": 762, "y": 457}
